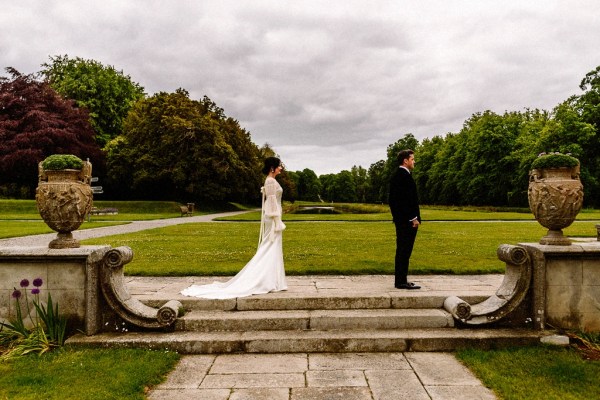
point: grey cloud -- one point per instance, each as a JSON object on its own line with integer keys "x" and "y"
{"x": 329, "y": 85}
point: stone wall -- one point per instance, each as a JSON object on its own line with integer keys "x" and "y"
{"x": 566, "y": 285}
{"x": 69, "y": 275}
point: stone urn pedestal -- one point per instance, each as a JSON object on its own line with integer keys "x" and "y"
{"x": 555, "y": 198}
{"x": 64, "y": 198}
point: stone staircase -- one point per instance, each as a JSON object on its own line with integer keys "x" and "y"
{"x": 350, "y": 319}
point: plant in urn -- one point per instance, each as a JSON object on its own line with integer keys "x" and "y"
{"x": 64, "y": 196}
{"x": 555, "y": 194}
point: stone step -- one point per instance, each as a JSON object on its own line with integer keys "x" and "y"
{"x": 312, "y": 341}
{"x": 327, "y": 301}
{"x": 209, "y": 321}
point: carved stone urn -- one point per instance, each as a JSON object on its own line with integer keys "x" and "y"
{"x": 555, "y": 198}
{"x": 64, "y": 198}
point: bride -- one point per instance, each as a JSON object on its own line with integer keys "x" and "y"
{"x": 264, "y": 273}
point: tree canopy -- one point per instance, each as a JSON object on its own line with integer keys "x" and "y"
{"x": 108, "y": 94}
{"x": 169, "y": 146}
{"x": 174, "y": 147}
{"x": 36, "y": 122}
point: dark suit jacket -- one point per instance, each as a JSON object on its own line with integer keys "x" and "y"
{"x": 403, "y": 198}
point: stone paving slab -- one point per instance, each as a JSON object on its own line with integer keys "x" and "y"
{"x": 396, "y": 385}
{"x": 360, "y": 361}
{"x": 260, "y": 393}
{"x": 321, "y": 376}
{"x": 447, "y": 371}
{"x": 304, "y": 292}
{"x": 189, "y": 372}
{"x": 266, "y": 380}
{"x": 339, "y": 286}
{"x": 273, "y": 342}
{"x": 260, "y": 363}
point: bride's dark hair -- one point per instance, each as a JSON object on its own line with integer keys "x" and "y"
{"x": 270, "y": 163}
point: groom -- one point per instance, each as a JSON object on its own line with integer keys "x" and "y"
{"x": 404, "y": 205}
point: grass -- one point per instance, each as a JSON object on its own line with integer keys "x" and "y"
{"x": 373, "y": 212}
{"x": 12, "y": 228}
{"x": 128, "y": 210}
{"x": 535, "y": 373}
{"x": 328, "y": 247}
{"x": 85, "y": 374}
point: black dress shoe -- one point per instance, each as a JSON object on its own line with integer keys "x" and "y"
{"x": 408, "y": 285}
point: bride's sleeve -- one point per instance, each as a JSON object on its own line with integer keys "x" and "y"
{"x": 271, "y": 207}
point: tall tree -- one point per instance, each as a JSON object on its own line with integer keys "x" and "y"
{"x": 589, "y": 101}
{"x": 345, "y": 188}
{"x": 36, "y": 122}
{"x": 489, "y": 139}
{"x": 376, "y": 183}
{"x": 588, "y": 106}
{"x": 361, "y": 183}
{"x": 181, "y": 149}
{"x": 425, "y": 160}
{"x": 107, "y": 93}
{"x": 328, "y": 187}
{"x": 308, "y": 186}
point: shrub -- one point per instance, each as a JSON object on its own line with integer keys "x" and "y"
{"x": 554, "y": 160}
{"x": 62, "y": 161}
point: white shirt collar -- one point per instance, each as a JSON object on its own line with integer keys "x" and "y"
{"x": 408, "y": 170}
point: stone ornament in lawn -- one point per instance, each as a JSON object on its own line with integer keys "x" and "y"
{"x": 64, "y": 196}
{"x": 555, "y": 194}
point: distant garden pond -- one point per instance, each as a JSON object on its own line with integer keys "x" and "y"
{"x": 316, "y": 210}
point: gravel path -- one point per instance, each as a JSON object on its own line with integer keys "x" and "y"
{"x": 135, "y": 226}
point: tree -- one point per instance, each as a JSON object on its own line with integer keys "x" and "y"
{"x": 588, "y": 107}
{"x": 443, "y": 174}
{"x": 428, "y": 150}
{"x": 344, "y": 188}
{"x": 36, "y": 122}
{"x": 180, "y": 149}
{"x": 308, "y": 185}
{"x": 328, "y": 187}
{"x": 589, "y": 101}
{"x": 119, "y": 179}
{"x": 361, "y": 183}
{"x": 488, "y": 142}
{"x": 108, "y": 94}
{"x": 376, "y": 187}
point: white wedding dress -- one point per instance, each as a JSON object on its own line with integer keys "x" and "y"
{"x": 264, "y": 273}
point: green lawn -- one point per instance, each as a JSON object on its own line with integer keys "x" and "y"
{"x": 535, "y": 373}
{"x": 428, "y": 213}
{"x": 12, "y": 228}
{"x": 450, "y": 247}
{"x": 127, "y": 210}
{"x": 90, "y": 374}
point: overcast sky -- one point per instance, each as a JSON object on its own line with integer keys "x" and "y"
{"x": 329, "y": 84}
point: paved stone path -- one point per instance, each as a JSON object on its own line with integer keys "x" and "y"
{"x": 297, "y": 376}
{"x": 321, "y": 376}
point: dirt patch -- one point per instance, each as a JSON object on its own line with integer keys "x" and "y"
{"x": 588, "y": 353}
{"x": 588, "y": 350}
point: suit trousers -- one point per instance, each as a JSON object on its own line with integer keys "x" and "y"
{"x": 405, "y": 241}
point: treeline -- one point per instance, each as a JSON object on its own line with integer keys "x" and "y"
{"x": 486, "y": 163}
{"x": 170, "y": 147}
{"x": 160, "y": 147}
